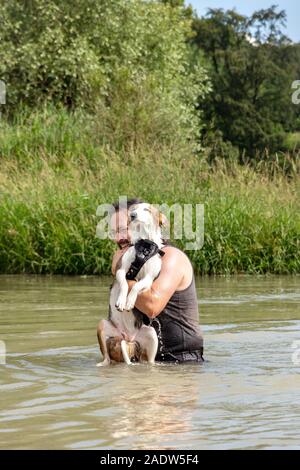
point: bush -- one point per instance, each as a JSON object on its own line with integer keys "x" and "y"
{"x": 126, "y": 60}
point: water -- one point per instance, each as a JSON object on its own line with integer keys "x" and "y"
{"x": 52, "y": 395}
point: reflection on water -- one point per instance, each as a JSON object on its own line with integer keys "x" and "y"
{"x": 245, "y": 396}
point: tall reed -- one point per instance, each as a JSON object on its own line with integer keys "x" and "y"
{"x": 56, "y": 168}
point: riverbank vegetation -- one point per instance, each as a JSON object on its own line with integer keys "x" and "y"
{"x": 139, "y": 99}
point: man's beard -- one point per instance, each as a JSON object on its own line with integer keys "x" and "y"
{"x": 123, "y": 243}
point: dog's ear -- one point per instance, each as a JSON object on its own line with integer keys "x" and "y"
{"x": 162, "y": 219}
{"x": 159, "y": 217}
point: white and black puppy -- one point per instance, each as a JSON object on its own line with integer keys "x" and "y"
{"x": 146, "y": 242}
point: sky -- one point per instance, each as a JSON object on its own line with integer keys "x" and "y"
{"x": 247, "y": 7}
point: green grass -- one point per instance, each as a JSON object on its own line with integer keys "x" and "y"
{"x": 293, "y": 141}
{"x": 57, "y": 168}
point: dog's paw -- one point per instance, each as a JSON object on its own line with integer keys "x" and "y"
{"x": 129, "y": 305}
{"x": 131, "y": 299}
{"x": 120, "y": 304}
{"x": 106, "y": 362}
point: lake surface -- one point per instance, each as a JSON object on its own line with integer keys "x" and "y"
{"x": 246, "y": 396}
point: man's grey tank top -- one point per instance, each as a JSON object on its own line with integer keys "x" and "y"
{"x": 177, "y": 326}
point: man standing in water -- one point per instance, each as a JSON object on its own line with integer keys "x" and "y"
{"x": 171, "y": 302}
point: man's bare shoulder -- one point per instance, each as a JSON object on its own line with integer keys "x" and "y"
{"x": 170, "y": 249}
{"x": 175, "y": 259}
{"x": 116, "y": 261}
{"x": 174, "y": 253}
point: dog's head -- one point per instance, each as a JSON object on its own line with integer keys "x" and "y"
{"x": 145, "y": 221}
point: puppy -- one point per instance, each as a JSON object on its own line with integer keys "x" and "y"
{"x": 127, "y": 327}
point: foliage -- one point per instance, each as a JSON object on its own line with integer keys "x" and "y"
{"x": 48, "y": 204}
{"x": 126, "y": 58}
{"x": 252, "y": 65}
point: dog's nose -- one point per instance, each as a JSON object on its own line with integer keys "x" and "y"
{"x": 133, "y": 215}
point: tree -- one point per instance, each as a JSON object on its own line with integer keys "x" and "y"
{"x": 251, "y": 65}
{"x": 128, "y": 58}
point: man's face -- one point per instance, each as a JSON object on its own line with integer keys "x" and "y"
{"x": 119, "y": 228}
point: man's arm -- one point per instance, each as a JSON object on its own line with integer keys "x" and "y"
{"x": 153, "y": 300}
{"x": 174, "y": 265}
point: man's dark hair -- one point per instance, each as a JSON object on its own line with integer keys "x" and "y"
{"x": 130, "y": 202}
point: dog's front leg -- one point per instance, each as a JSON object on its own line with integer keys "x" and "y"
{"x": 143, "y": 284}
{"x": 121, "y": 278}
{"x": 127, "y": 259}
